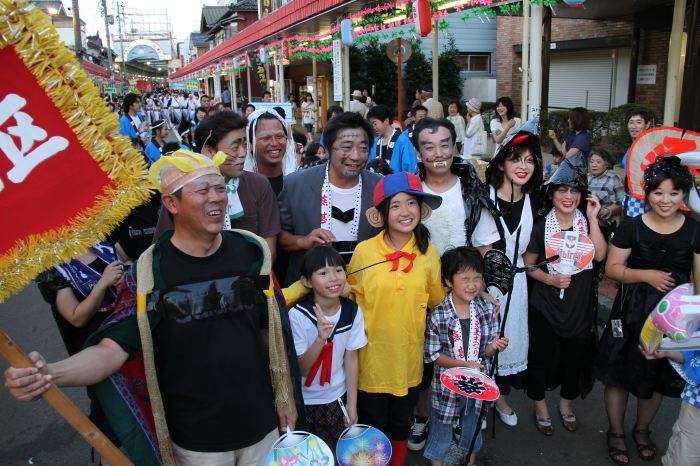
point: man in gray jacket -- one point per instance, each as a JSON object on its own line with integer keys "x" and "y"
{"x": 326, "y": 204}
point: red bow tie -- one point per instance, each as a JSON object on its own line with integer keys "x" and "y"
{"x": 323, "y": 362}
{"x": 396, "y": 256}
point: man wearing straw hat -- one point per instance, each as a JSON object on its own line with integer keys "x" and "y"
{"x": 199, "y": 296}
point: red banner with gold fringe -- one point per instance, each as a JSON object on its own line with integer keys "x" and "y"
{"x": 67, "y": 177}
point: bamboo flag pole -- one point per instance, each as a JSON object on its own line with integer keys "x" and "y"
{"x": 14, "y": 355}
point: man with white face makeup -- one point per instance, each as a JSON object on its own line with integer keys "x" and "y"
{"x": 326, "y": 204}
{"x": 271, "y": 150}
{"x": 449, "y": 177}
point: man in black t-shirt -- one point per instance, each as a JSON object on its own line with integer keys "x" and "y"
{"x": 209, "y": 326}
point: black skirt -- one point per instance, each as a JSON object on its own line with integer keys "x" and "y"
{"x": 619, "y": 361}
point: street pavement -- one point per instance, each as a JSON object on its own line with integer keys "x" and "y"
{"x": 32, "y": 433}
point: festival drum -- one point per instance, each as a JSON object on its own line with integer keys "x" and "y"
{"x": 471, "y": 383}
{"x": 363, "y": 445}
{"x": 299, "y": 448}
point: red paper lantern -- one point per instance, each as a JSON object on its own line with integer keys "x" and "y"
{"x": 421, "y": 17}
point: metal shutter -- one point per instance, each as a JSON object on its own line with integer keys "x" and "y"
{"x": 581, "y": 79}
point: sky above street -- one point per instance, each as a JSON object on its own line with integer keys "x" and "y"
{"x": 184, "y": 16}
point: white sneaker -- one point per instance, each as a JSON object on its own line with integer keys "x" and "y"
{"x": 483, "y": 424}
{"x": 419, "y": 434}
{"x": 508, "y": 419}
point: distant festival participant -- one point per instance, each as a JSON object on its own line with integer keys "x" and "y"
{"x": 638, "y": 122}
{"x": 579, "y": 138}
{"x": 506, "y": 123}
{"x": 390, "y": 144}
{"x": 133, "y": 123}
{"x": 159, "y": 131}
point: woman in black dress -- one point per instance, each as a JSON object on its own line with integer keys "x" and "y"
{"x": 562, "y": 310}
{"x": 650, "y": 255}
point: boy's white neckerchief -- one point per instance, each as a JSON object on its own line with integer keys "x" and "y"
{"x": 474, "y": 334}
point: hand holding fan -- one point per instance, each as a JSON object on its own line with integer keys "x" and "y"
{"x": 575, "y": 251}
{"x": 471, "y": 383}
{"x": 363, "y": 445}
{"x": 299, "y": 447}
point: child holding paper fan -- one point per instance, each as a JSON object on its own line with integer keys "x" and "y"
{"x": 460, "y": 332}
{"x": 328, "y": 330}
{"x": 395, "y": 276}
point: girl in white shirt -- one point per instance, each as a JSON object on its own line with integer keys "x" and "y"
{"x": 328, "y": 330}
{"x": 506, "y": 123}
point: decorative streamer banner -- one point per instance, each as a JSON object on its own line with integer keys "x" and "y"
{"x": 379, "y": 22}
{"x": 258, "y": 70}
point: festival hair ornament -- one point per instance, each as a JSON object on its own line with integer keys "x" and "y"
{"x": 661, "y": 142}
{"x": 171, "y": 172}
{"x": 671, "y": 166}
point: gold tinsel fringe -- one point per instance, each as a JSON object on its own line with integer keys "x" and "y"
{"x": 30, "y": 32}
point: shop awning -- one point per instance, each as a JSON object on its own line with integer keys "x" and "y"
{"x": 97, "y": 71}
{"x": 289, "y": 15}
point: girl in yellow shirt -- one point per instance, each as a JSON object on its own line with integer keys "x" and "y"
{"x": 395, "y": 277}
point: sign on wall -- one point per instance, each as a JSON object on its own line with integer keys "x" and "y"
{"x": 646, "y": 74}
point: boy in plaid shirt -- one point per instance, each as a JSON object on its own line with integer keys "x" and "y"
{"x": 460, "y": 332}
{"x": 684, "y": 444}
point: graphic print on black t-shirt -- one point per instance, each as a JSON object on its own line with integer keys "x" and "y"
{"x": 213, "y": 371}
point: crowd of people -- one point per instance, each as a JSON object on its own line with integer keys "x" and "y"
{"x": 374, "y": 237}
